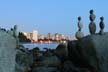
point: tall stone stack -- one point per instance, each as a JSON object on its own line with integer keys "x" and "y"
{"x": 92, "y": 25}
{"x": 79, "y": 34}
{"x": 7, "y": 52}
{"x": 101, "y": 24}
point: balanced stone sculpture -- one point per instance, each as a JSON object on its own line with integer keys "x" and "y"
{"x": 92, "y": 26}
{"x": 101, "y": 24}
{"x": 79, "y": 34}
{"x": 15, "y": 31}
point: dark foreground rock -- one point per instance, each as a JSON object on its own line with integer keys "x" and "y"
{"x": 24, "y": 60}
{"x": 90, "y": 52}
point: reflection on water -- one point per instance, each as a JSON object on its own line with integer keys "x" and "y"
{"x": 41, "y": 45}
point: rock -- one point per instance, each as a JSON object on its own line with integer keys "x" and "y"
{"x": 7, "y": 52}
{"x": 48, "y": 64}
{"x": 94, "y": 50}
{"x": 36, "y": 54}
{"x": 101, "y": 24}
{"x": 62, "y": 52}
{"x": 69, "y": 67}
{"x": 51, "y": 61}
{"x": 92, "y": 28}
{"x": 82, "y": 54}
{"x": 92, "y": 25}
{"x": 92, "y": 16}
{"x": 74, "y": 53}
{"x": 44, "y": 69}
{"x": 80, "y": 25}
{"x": 47, "y": 53}
{"x": 15, "y": 33}
{"x": 24, "y": 60}
{"x": 79, "y": 34}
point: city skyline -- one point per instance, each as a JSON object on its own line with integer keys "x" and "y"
{"x": 35, "y": 37}
{"x": 47, "y": 35}
{"x": 48, "y": 16}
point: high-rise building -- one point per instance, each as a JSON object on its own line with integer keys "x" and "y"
{"x": 49, "y": 36}
{"x": 41, "y": 37}
{"x": 35, "y": 35}
{"x": 28, "y": 35}
{"x": 56, "y": 36}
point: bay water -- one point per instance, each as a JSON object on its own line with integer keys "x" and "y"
{"x": 40, "y": 45}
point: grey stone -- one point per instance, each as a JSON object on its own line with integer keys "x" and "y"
{"x": 92, "y": 16}
{"x": 48, "y": 64}
{"x": 74, "y": 53}
{"x": 45, "y": 69}
{"x": 23, "y": 60}
{"x": 79, "y": 34}
{"x": 101, "y": 24}
{"x": 61, "y": 51}
{"x": 94, "y": 50}
{"x": 7, "y": 52}
{"x": 52, "y": 60}
{"x": 92, "y": 26}
{"x": 80, "y": 25}
{"x": 15, "y": 33}
{"x": 69, "y": 67}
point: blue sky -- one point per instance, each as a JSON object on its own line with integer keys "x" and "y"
{"x": 54, "y": 16}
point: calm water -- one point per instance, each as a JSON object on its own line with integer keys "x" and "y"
{"x": 40, "y": 45}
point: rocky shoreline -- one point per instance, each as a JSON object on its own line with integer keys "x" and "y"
{"x": 86, "y": 54}
{"x": 50, "y": 60}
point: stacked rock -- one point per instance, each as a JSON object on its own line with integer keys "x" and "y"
{"x": 101, "y": 24}
{"x": 92, "y": 25}
{"x": 79, "y": 34}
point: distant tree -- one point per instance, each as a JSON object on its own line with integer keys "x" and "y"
{"x": 23, "y": 38}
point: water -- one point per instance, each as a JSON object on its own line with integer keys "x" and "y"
{"x": 40, "y": 45}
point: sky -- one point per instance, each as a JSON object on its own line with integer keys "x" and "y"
{"x": 54, "y": 16}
